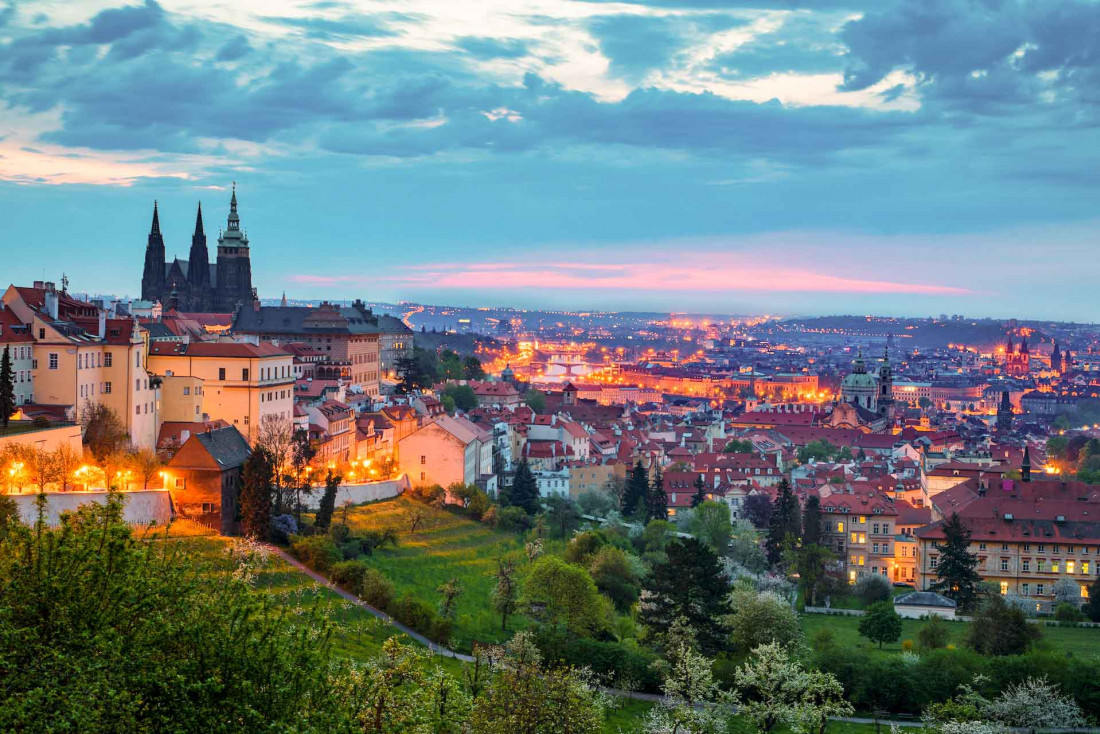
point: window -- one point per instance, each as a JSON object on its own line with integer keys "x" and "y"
{"x": 423, "y": 460}
{"x": 186, "y": 391}
{"x": 1084, "y": 567}
{"x": 244, "y": 374}
{"x": 1004, "y": 564}
{"x": 221, "y": 373}
{"x": 208, "y": 507}
{"x": 1004, "y": 588}
{"x": 1084, "y": 591}
{"x": 1025, "y": 589}
{"x": 874, "y": 548}
{"x": 1070, "y": 566}
{"x": 932, "y": 561}
{"x": 108, "y": 359}
{"x": 1004, "y": 547}
{"x": 981, "y": 546}
{"x": 840, "y": 527}
{"x": 179, "y": 483}
{"x": 1039, "y": 565}
{"x": 1042, "y": 548}
{"x": 1054, "y": 566}
{"x": 1027, "y": 565}
{"x": 1054, "y": 549}
{"x": 1039, "y": 589}
{"x": 1027, "y": 547}
{"x": 422, "y": 476}
{"x": 53, "y": 360}
{"x": 861, "y": 519}
{"x": 107, "y": 387}
{"x": 875, "y": 529}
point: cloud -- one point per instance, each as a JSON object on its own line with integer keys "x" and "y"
{"x": 484, "y": 48}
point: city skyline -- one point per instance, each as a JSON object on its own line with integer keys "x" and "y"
{"x": 684, "y": 156}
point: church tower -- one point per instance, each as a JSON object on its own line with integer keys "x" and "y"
{"x": 153, "y": 276}
{"x": 886, "y": 387}
{"x": 1004, "y": 414}
{"x": 234, "y": 262}
{"x": 198, "y": 268}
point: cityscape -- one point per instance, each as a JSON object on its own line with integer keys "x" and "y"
{"x": 376, "y": 367}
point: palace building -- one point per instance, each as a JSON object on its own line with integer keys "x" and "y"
{"x": 196, "y": 284}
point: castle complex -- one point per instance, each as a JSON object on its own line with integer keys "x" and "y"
{"x": 196, "y": 284}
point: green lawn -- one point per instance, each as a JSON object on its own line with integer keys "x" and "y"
{"x": 444, "y": 546}
{"x": 1080, "y": 641}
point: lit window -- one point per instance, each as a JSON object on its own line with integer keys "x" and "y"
{"x": 1004, "y": 588}
{"x": 1070, "y": 566}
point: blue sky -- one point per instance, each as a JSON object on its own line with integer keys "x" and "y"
{"x": 782, "y": 156}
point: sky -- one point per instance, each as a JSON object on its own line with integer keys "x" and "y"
{"x": 779, "y": 156}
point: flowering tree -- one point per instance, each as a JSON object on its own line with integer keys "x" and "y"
{"x": 693, "y": 703}
{"x": 769, "y": 687}
{"x": 1033, "y": 704}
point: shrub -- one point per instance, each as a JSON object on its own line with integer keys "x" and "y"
{"x": 1067, "y": 612}
{"x": 610, "y": 661}
{"x": 339, "y": 533}
{"x": 907, "y": 646}
{"x": 374, "y": 539}
{"x": 282, "y": 527}
{"x": 375, "y": 589}
{"x": 490, "y": 516}
{"x": 317, "y": 551}
{"x": 583, "y": 546}
{"x": 871, "y": 589}
{"x": 349, "y": 575}
{"x": 513, "y": 519}
{"x": 432, "y": 495}
{"x": 422, "y": 617}
{"x": 1001, "y": 629}
{"x": 350, "y": 549}
{"x": 933, "y": 635}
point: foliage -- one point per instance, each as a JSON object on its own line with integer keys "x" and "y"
{"x": 316, "y": 551}
{"x": 761, "y": 619}
{"x": 688, "y": 584}
{"x": 1066, "y": 590}
{"x": 7, "y": 386}
{"x": 349, "y": 575}
{"x": 816, "y": 451}
{"x": 634, "y": 494}
{"x": 513, "y": 520}
{"x": 596, "y": 504}
{"x": 810, "y": 562}
{"x": 525, "y": 490}
{"x": 757, "y": 509}
{"x": 561, "y": 515}
{"x": 257, "y": 494}
{"x": 656, "y": 536}
{"x": 710, "y": 523}
{"x": 871, "y": 589}
{"x": 1092, "y": 607}
{"x": 1001, "y": 629}
{"x": 327, "y": 505}
{"x": 693, "y": 703}
{"x": 102, "y": 632}
{"x": 739, "y": 446}
{"x": 769, "y": 687}
{"x": 615, "y": 662}
{"x": 933, "y": 635}
{"x": 375, "y": 589}
{"x": 614, "y": 576}
{"x": 419, "y": 615}
{"x": 785, "y": 524}
{"x": 700, "y": 495}
{"x": 535, "y": 400}
{"x": 462, "y": 397}
{"x": 1066, "y": 612}
{"x": 449, "y": 590}
{"x": 957, "y": 577}
{"x": 526, "y": 697}
{"x": 656, "y": 501}
{"x": 812, "y": 521}
{"x": 505, "y": 594}
{"x": 417, "y": 370}
{"x": 565, "y": 593}
{"x": 744, "y": 547}
{"x": 1033, "y": 704}
{"x": 583, "y": 546}
{"x": 880, "y": 623}
{"x": 104, "y": 433}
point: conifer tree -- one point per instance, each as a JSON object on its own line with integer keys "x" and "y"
{"x": 637, "y": 486}
{"x": 811, "y": 522}
{"x": 327, "y": 505}
{"x": 257, "y": 494}
{"x": 786, "y": 521}
{"x": 700, "y": 495}
{"x": 525, "y": 489}
{"x": 7, "y": 387}
{"x": 656, "y": 499}
{"x": 956, "y": 567}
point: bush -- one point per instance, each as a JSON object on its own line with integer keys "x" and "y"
{"x": 433, "y": 495}
{"x": 583, "y": 546}
{"x": 1067, "y": 612}
{"x": 317, "y": 551}
{"x": 339, "y": 533}
{"x": 1001, "y": 629}
{"x": 350, "y": 549}
{"x": 513, "y": 519}
{"x": 933, "y": 635}
{"x": 490, "y": 516}
{"x": 349, "y": 575}
{"x": 282, "y": 527}
{"x": 871, "y": 589}
{"x": 422, "y": 617}
{"x": 613, "y": 662}
{"x": 375, "y": 589}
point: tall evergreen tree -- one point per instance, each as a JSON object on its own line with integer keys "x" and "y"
{"x": 327, "y": 505}
{"x": 525, "y": 489}
{"x": 700, "y": 495}
{"x": 689, "y": 584}
{"x": 956, "y": 567}
{"x": 786, "y": 521}
{"x": 637, "y": 486}
{"x": 257, "y": 494}
{"x": 7, "y": 386}
{"x": 811, "y": 522}
{"x": 656, "y": 505}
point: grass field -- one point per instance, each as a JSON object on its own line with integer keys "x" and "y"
{"x": 1081, "y": 642}
{"x": 444, "y": 546}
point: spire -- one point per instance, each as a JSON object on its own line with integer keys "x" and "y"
{"x": 283, "y": 302}
{"x": 234, "y": 219}
{"x": 156, "y": 219}
{"x": 1025, "y": 466}
{"x": 198, "y": 222}
{"x": 1009, "y": 347}
{"x": 1023, "y": 345}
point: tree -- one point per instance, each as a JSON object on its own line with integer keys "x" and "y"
{"x": 739, "y": 446}
{"x": 1056, "y": 447}
{"x": 1034, "y": 704}
{"x": 302, "y": 454}
{"x": 744, "y": 547}
{"x": 757, "y": 509}
{"x": 566, "y": 593}
{"x": 688, "y": 584}
{"x": 327, "y": 505}
{"x": 1066, "y": 591}
{"x": 761, "y": 618}
{"x": 934, "y": 634}
{"x": 525, "y": 697}
{"x": 700, "y": 495}
{"x": 104, "y": 431}
{"x": 880, "y": 623}
{"x": 525, "y": 489}
{"x": 710, "y": 523}
{"x": 145, "y": 465}
{"x": 810, "y": 563}
{"x": 769, "y": 687}
{"x": 450, "y": 590}
{"x": 257, "y": 494}
{"x": 924, "y": 402}
{"x": 7, "y": 386}
{"x": 656, "y": 501}
{"x": 505, "y": 594}
{"x": 561, "y": 515}
{"x": 956, "y": 571}
{"x": 461, "y": 396}
{"x": 999, "y": 628}
{"x": 812, "y": 522}
{"x": 535, "y": 400}
{"x": 416, "y": 371}
{"x": 816, "y": 451}
{"x": 693, "y": 702}
{"x": 822, "y": 698}
{"x": 595, "y": 503}
{"x": 276, "y": 434}
{"x": 871, "y": 589}
{"x": 1092, "y": 607}
{"x": 614, "y": 576}
{"x": 785, "y": 525}
{"x": 637, "y": 486}
{"x": 91, "y": 620}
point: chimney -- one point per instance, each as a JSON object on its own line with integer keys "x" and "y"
{"x": 51, "y": 303}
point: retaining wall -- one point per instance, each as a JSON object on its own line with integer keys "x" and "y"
{"x": 357, "y": 494}
{"x": 142, "y": 507}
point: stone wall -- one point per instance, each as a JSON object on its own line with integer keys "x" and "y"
{"x": 357, "y": 494}
{"x": 142, "y": 507}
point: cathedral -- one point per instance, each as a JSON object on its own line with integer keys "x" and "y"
{"x": 1017, "y": 358}
{"x": 196, "y": 284}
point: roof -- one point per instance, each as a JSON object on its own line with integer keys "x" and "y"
{"x": 924, "y": 599}
{"x": 12, "y": 330}
{"x": 325, "y": 319}
{"x": 231, "y": 350}
{"x": 226, "y": 446}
